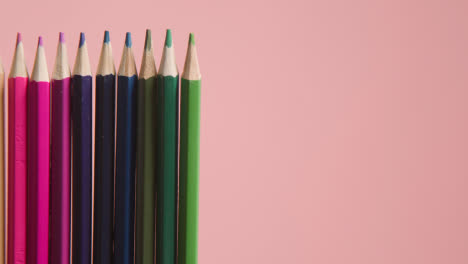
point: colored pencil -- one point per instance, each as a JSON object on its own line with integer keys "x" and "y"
{"x": 125, "y": 157}
{"x": 167, "y": 101}
{"x": 17, "y": 136}
{"x": 189, "y": 157}
{"x": 81, "y": 113}
{"x": 60, "y": 158}
{"x": 104, "y": 156}
{"x": 2, "y": 165}
{"x": 146, "y": 148}
{"x": 38, "y": 161}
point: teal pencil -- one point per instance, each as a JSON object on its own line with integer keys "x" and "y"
{"x": 167, "y": 103}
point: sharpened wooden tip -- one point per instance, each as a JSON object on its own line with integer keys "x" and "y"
{"x": 106, "y": 61}
{"x": 82, "y": 66}
{"x": 61, "y": 66}
{"x": 18, "y": 64}
{"x": 127, "y": 63}
{"x": 39, "y": 72}
{"x": 191, "y": 68}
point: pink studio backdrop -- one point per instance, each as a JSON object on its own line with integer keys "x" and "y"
{"x": 332, "y": 131}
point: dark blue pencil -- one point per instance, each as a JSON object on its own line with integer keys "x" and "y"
{"x": 125, "y": 157}
{"x": 81, "y": 104}
{"x": 104, "y": 156}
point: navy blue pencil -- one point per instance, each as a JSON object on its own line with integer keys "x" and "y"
{"x": 104, "y": 156}
{"x": 125, "y": 157}
{"x": 81, "y": 104}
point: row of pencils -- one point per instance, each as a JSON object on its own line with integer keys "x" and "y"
{"x": 144, "y": 194}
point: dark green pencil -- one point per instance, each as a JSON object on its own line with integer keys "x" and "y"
{"x": 167, "y": 108}
{"x": 146, "y": 156}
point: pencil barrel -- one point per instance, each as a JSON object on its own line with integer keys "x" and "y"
{"x": 125, "y": 170}
{"x": 189, "y": 171}
{"x": 60, "y": 172}
{"x": 2, "y": 167}
{"x": 104, "y": 169}
{"x": 167, "y": 136}
{"x": 38, "y": 172}
{"x": 146, "y": 172}
{"x": 17, "y": 138}
{"x": 81, "y": 95}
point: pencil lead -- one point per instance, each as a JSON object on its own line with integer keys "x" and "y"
{"x": 168, "y": 38}
{"x": 62, "y": 37}
{"x": 106, "y": 36}
{"x": 128, "y": 40}
{"x": 192, "y": 39}
{"x": 148, "y": 40}
{"x": 19, "y": 38}
{"x": 40, "y": 42}
{"x": 82, "y": 39}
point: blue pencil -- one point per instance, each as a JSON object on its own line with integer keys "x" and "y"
{"x": 81, "y": 104}
{"x": 125, "y": 157}
{"x": 104, "y": 156}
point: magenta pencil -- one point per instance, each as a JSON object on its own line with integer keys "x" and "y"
{"x": 17, "y": 129}
{"x": 60, "y": 158}
{"x": 37, "y": 251}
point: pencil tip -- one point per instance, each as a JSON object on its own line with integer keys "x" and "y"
{"x": 128, "y": 40}
{"x": 106, "y": 36}
{"x": 82, "y": 39}
{"x": 39, "y": 43}
{"x": 62, "y": 37}
{"x": 19, "y": 38}
{"x": 168, "y": 38}
{"x": 148, "y": 39}
{"x": 192, "y": 39}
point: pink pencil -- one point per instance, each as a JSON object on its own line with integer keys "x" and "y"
{"x": 38, "y": 161}
{"x": 17, "y": 127}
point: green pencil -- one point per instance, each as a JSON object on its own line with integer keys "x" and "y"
{"x": 146, "y": 155}
{"x": 189, "y": 157}
{"x": 167, "y": 108}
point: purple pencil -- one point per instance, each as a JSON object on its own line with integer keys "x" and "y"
{"x": 60, "y": 157}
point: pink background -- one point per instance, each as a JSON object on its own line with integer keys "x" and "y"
{"x": 333, "y": 131}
